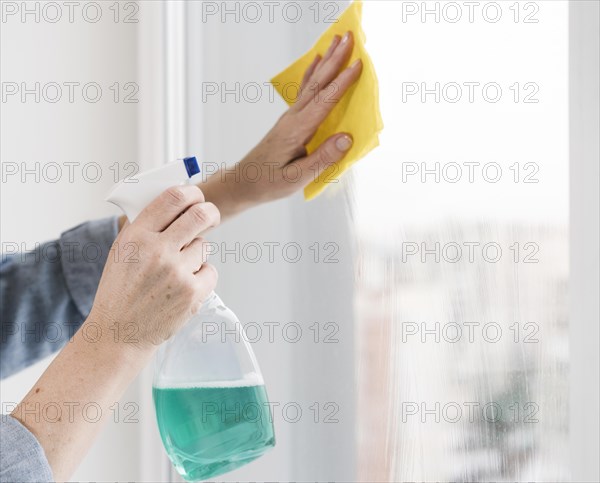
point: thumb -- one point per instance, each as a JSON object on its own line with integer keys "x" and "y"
{"x": 328, "y": 153}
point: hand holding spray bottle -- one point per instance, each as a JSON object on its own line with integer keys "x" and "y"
{"x": 209, "y": 394}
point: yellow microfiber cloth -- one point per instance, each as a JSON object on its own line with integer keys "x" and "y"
{"x": 356, "y": 113}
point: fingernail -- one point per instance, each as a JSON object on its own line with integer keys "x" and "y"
{"x": 343, "y": 143}
{"x": 356, "y": 63}
{"x": 346, "y": 37}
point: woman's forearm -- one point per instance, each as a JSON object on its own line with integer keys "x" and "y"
{"x": 71, "y": 401}
{"x": 229, "y": 195}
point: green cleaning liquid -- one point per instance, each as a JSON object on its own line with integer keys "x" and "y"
{"x": 208, "y": 431}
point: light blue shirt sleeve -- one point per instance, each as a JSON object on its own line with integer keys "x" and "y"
{"x": 22, "y": 459}
{"x": 45, "y": 295}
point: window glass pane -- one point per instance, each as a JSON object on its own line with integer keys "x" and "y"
{"x": 461, "y": 217}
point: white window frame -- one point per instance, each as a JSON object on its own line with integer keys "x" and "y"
{"x": 584, "y": 54}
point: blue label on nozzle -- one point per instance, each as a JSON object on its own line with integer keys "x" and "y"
{"x": 191, "y": 166}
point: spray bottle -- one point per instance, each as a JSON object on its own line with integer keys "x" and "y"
{"x": 209, "y": 394}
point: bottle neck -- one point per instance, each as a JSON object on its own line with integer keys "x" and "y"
{"x": 211, "y": 300}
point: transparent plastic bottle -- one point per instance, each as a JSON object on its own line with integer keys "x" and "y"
{"x": 210, "y": 398}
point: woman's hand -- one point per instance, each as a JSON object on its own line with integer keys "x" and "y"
{"x": 156, "y": 276}
{"x": 144, "y": 296}
{"x": 286, "y": 143}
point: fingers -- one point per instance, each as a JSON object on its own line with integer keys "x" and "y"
{"x": 313, "y": 115}
{"x": 196, "y": 219}
{"x": 327, "y": 69}
{"x": 159, "y": 214}
{"x": 310, "y": 70}
{"x": 330, "y": 152}
{"x": 334, "y": 43}
{"x": 315, "y": 63}
{"x": 195, "y": 254}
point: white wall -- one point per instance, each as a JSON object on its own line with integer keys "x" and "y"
{"x": 80, "y": 132}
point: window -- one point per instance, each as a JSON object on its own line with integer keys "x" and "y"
{"x": 462, "y": 221}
